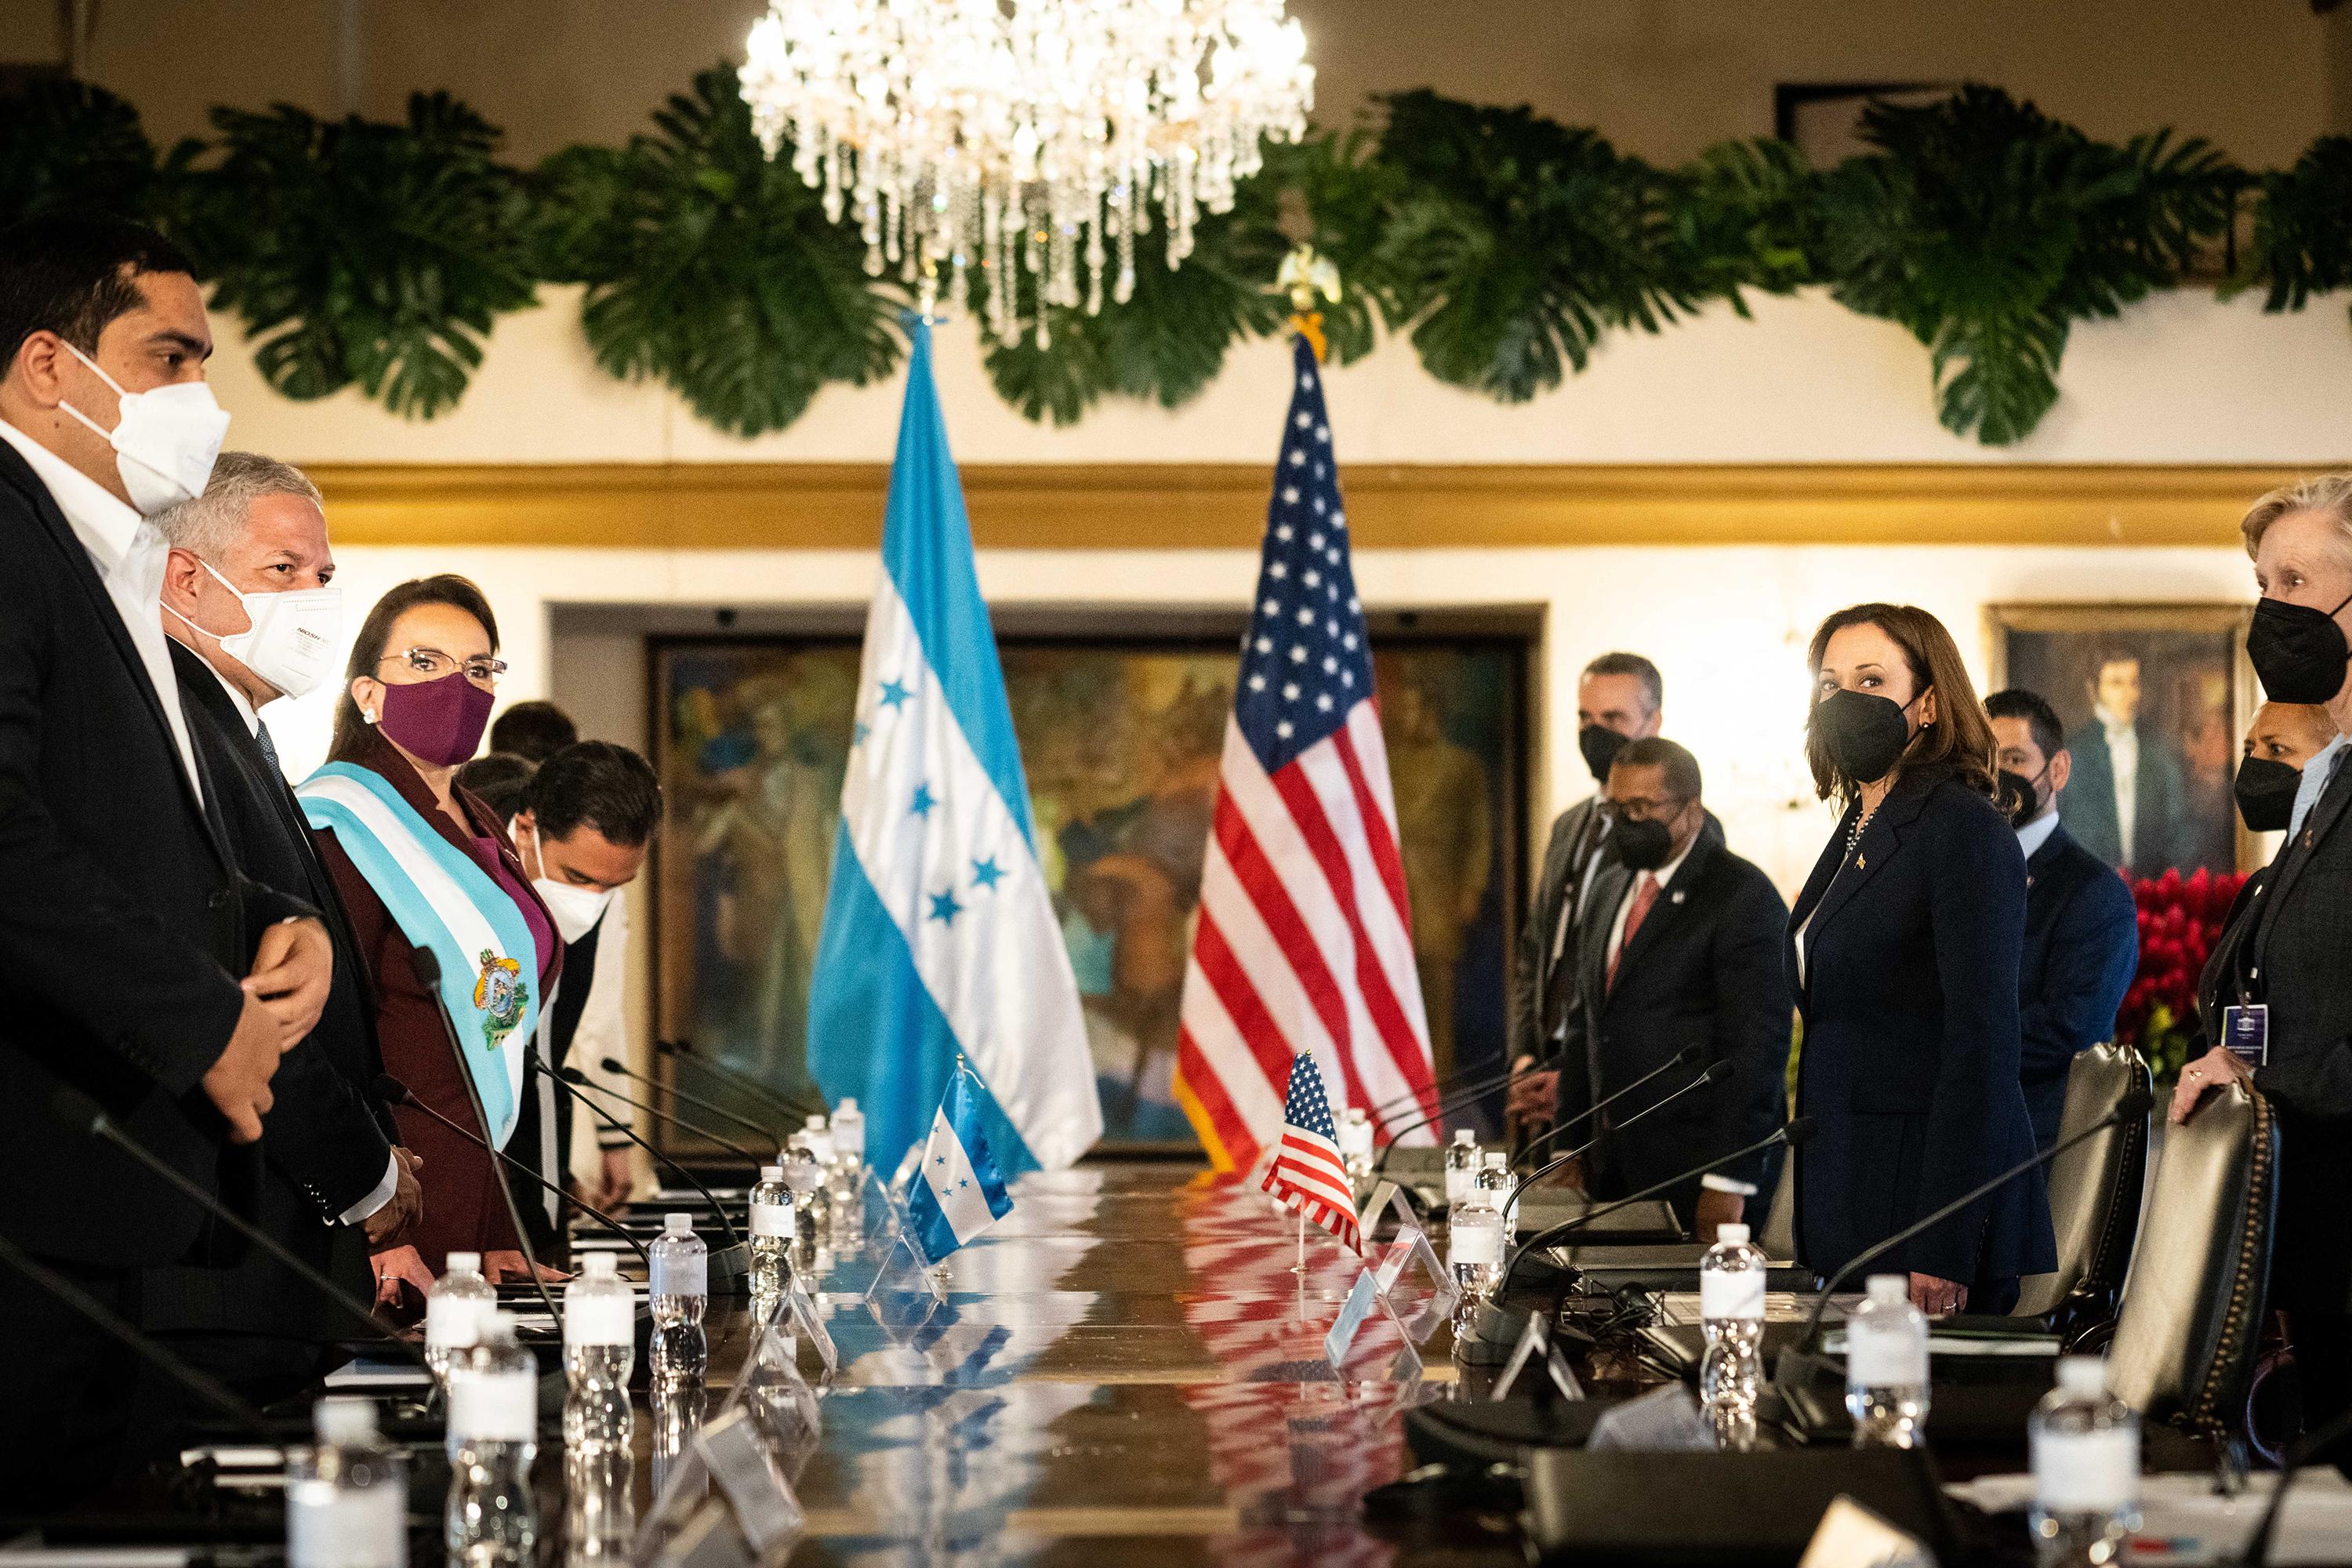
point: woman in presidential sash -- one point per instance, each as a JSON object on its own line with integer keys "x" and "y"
{"x": 459, "y": 949}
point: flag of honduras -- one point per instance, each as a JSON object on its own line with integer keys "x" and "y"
{"x": 940, "y": 932}
{"x": 960, "y": 1192}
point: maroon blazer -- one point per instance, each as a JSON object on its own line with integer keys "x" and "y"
{"x": 465, "y": 1208}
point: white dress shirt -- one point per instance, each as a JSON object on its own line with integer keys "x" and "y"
{"x": 360, "y": 1211}
{"x": 603, "y": 1027}
{"x": 129, "y": 552}
{"x": 2315, "y": 775}
{"x": 2123, "y": 751}
{"x": 2036, "y": 833}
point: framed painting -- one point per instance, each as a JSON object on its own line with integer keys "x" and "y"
{"x": 1119, "y": 739}
{"x": 2154, "y": 699}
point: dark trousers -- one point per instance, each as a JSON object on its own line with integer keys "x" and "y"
{"x": 65, "y": 1423}
{"x": 2323, "y": 1365}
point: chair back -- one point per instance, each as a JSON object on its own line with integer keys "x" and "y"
{"x": 2190, "y": 1321}
{"x": 2095, "y": 1189}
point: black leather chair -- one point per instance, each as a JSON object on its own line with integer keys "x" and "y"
{"x": 2094, "y": 1197}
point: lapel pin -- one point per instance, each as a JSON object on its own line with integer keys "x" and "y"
{"x": 1862, "y": 862}
{"x": 1678, "y": 896}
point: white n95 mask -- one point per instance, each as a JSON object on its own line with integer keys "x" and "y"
{"x": 576, "y": 910}
{"x": 164, "y": 441}
{"x": 291, "y": 637}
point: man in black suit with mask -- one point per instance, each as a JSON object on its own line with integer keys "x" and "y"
{"x": 1681, "y": 946}
{"x": 1618, "y": 698}
{"x": 142, "y": 968}
{"x": 249, "y": 602}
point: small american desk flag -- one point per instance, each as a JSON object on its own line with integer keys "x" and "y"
{"x": 1308, "y": 1174}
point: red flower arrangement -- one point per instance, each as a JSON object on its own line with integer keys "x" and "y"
{"x": 2180, "y": 918}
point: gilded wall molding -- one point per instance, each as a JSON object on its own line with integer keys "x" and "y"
{"x": 1222, "y": 506}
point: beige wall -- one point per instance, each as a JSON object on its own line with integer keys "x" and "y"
{"x": 1661, "y": 77}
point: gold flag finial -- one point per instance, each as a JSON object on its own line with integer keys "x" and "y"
{"x": 1307, "y": 277}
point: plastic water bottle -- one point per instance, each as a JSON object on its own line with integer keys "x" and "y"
{"x": 454, "y": 1310}
{"x": 1731, "y": 1310}
{"x": 347, "y": 1499}
{"x": 1355, "y": 1146}
{"x": 820, "y": 1140}
{"x": 806, "y": 1174}
{"x": 1474, "y": 1248}
{"x": 1460, "y": 1165}
{"x": 2085, "y": 1447}
{"x": 492, "y": 1518}
{"x": 1886, "y": 1366}
{"x": 600, "y": 1348}
{"x": 849, "y": 1135}
{"x": 681, "y": 1294}
{"x": 1495, "y": 1180}
{"x": 772, "y": 1241}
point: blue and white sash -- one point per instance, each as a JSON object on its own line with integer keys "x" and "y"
{"x": 443, "y": 901}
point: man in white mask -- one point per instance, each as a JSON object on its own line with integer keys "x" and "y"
{"x": 588, "y": 817}
{"x": 250, "y": 601}
{"x": 139, "y": 967}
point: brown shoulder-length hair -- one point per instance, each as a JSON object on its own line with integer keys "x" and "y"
{"x": 367, "y": 650}
{"x": 1961, "y": 738}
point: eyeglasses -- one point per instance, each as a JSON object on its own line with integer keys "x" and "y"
{"x": 1641, "y": 809}
{"x": 432, "y": 664}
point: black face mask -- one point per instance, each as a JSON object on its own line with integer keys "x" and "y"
{"x": 2265, "y": 790}
{"x": 1599, "y": 747}
{"x": 1641, "y": 845}
{"x": 1864, "y": 733}
{"x": 2299, "y": 652}
{"x": 2017, "y": 797}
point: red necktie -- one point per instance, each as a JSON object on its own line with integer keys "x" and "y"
{"x": 1645, "y": 895}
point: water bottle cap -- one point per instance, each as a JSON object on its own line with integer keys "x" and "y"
{"x": 463, "y": 1263}
{"x": 600, "y": 1265}
{"x": 815, "y": 1123}
{"x": 2082, "y": 1374}
{"x": 1890, "y": 1289}
{"x": 1499, "y": 1161}
{"x": 678, "y": 1225}
{"x": 1464, "y": 1137}
{"x": 1731, "y": 1235}
{"x": 1355, "y": 1113}
{"x": 345, "y": 1420}
{"x": 772, "y": 1172}
{"x": 848, "y": 1106}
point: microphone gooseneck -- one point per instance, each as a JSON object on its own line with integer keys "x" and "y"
{"x": 1715, "y": 1073}
{"x": 680, "y": 1122}
{"x": 1440, "y": 1106}
{"x": 1682, "y": 1058}
{"x": 680, "y": 1050}
{"x": 572, "y": 1080}
{"x": 391, "y": 1088}
{"x": 83, "y": 1114}
{"x": 619, "y": 1068}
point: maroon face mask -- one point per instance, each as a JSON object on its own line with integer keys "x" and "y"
{"x": 440, "y": 721}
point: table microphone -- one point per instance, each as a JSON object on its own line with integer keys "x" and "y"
{"x": 1715, "y": 1073}
{"x": 679, "y": 1050}
{"x": 85, "y": 1115}
{"x": 202, "y": 1384}
{"x": 619, "y": 1068}
{"x": 1682, "y": 1058}
{"x": 1453, "y": 1083}
{"x": 1440, "y": 1106}
{"x": 393, "y": 1091}
{"x": 571, "y": 1079}
{"x": 1799, "y": 1359}
{"x": 682, "y": 1124}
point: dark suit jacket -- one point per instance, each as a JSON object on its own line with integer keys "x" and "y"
{"x": 1704, "y": 969}
{"x": 124, "y": 926}
{"x": 325, "y": 1142}
{"x": 2300, "y": 931}
{"x": 465, "y": 1203}
{"x": 1909, "y": 1067}
{"x": 1575, "y": 838}
{"x": 2081, "y": 949}
{"x": 2159, "y": 793}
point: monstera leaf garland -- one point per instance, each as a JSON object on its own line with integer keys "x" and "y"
{"x": 2303, "y": 227}
{"x": 68, "y": 144}
{"x": 712, "y": 269}
{"x": 1987, "y": 229}
{"x": 361, "y": 252}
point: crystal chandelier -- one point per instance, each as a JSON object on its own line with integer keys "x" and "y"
{"x": 989, "y": 134}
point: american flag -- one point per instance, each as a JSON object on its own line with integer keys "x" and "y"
{"x": 1308, "y": 1174}
{"x": 1304, "y": 944}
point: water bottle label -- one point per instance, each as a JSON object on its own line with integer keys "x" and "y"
{"x": 772, "y": 1219}
{"x": 1723, "y": 1294}
{"x": 687, "y": 1276}
{"x": 328, "y": 1526}
{"x": 1895, "y": 1357}
{"x": 600, "y": 1320}
{"x": 494, "y": 1407}
{"x": 1475, "y": 1246}
{"x": 453, "y": 1319}
{"x": 2086, "y": 1472}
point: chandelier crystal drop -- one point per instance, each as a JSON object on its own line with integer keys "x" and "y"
{"x": 970, "y": 137}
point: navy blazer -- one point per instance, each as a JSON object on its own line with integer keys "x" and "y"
{"x": 2081, "y": 949}
{"x": 1909, "y": 1066}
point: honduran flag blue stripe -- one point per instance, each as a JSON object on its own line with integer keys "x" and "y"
{"x": 939, "y": 932}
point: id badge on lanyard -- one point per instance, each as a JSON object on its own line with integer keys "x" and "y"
{"x": 2246, "y": 1030}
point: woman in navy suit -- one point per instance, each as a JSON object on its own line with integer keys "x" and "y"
{"x": 1905, "y": 952}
